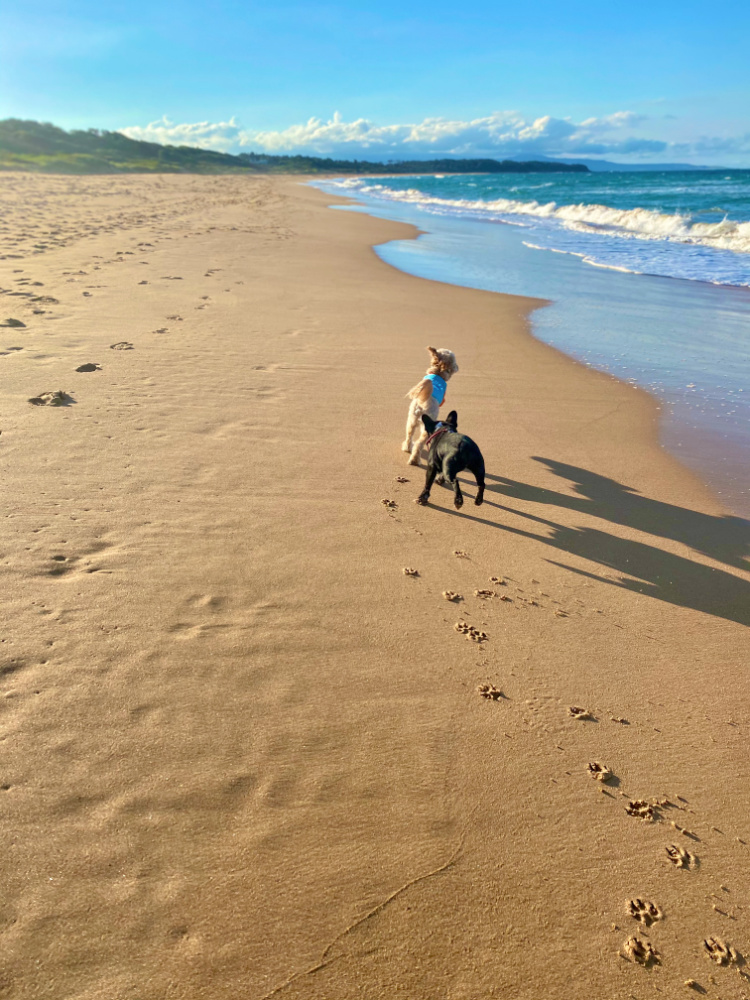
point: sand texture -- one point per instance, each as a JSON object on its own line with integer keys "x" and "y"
{"x": 243, "y": 753}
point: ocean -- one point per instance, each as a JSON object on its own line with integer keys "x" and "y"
{"x": 648, "y": 275}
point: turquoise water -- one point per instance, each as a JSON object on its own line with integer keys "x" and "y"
{"x": 667, "y": 325}
{"x": 693, "y": 225}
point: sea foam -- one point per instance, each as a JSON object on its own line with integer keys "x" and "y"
{"x": 634, "y": 223}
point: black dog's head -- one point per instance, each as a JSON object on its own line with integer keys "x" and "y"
{"x": 450, "y": 421}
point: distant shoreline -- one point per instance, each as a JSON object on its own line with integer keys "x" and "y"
{"x": 43, "y": 148}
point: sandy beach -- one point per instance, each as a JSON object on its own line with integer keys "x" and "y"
{"x": 243, "y": 753}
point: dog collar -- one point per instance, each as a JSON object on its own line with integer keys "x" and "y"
{"x": 442, "y": 429}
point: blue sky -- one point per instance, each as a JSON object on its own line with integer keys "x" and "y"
{"x": 642, "y": 81}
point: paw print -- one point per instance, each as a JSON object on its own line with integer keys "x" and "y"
{"x": 598, "y": 771}
{"x": 643, "y": 952}
{"x": 679, "y": 857}
{"x": 643, "y": 911}
{"x": 490, "y": 692}
{"x": 641, "y": 809}
{"x": 719, "y": 951}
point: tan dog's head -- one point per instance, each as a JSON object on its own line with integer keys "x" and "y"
{"x": 443, "y": 362}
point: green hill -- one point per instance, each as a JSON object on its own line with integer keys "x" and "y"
{"x": 38, "y": 146}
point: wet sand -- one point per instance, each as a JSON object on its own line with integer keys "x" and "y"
{"x": 245, "y": 754}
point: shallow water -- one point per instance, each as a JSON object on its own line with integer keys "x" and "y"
{"x": 687, "y": 342}
{"x": 693, "y": 225}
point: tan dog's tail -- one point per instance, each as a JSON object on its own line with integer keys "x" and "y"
{"x": 421, "y": 391}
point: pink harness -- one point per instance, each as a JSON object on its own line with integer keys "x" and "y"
{"x": 437, "y": 433}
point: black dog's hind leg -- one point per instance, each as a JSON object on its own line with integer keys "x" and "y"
{"x": 478, "y": 471}
{"x": 450, "y": 473}
{"x": 424, "y": 496}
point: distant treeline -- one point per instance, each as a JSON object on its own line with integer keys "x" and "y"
{"x": 39, "y": 146}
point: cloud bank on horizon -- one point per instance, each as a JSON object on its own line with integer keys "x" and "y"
{"x": 500, "y": 134}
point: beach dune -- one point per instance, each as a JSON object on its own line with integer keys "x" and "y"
{"x": 243, "y": 753}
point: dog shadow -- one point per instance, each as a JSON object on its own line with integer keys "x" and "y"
{"x": 645, "y": 569}
{"x": 724, "y": 538}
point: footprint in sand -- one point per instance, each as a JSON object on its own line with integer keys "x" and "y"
{"x": 470, "y": 632}
{"x": 498, "y": 581}
{"x": 451, "y": 595}
{"x": 598, "y": 771}
{"x": 460, "y": 554}
{"x": 410, "y": 571}
{"x": 643, "y": 952}
{"x": 15, "y": 323}
{"x": 162, "y": 329}
{"x": 641, "y": 809}
{"x": 401, "y": 479}
{"x": 485, "y": 594}
{"x": 59, "y": 569}
{"x": 680, "y": 858}
{"x": 489, "y": 691}
{"x": 90, "y": 367}
{"x": 142, "y": 282}
{"x": 390, "y": 504}
{"x": 643, "y": 911}
{"x": 576, "y": 712}
{"x": 178, "y": 319}
{"x": 121, "y": 345}
{"x": 720, "y": 952}
{"x": 58, "y": 398}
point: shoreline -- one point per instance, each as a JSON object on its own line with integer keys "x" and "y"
{"x": 649, "y": 399}
{"x": 642, "y": 343}
{"x": 245, "y": 754}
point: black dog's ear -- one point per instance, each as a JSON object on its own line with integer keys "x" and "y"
{"x": 452, "y": 419}
{"x": 429, "y": 423}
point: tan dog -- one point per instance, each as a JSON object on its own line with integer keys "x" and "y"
{"x": 427, "y": 397}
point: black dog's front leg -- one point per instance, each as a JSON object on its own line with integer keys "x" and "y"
{"x": 424, "y": 496}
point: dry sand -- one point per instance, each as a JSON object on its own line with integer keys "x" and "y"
{"x": 242, "y": 753}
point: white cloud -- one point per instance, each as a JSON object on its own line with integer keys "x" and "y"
{"x": 223, "y": 136}
{"x": 502, "y": 133}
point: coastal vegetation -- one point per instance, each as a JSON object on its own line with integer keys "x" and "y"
{"x": 45, "y": 148}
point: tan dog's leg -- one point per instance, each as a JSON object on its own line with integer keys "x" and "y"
{"x": 417, "y": 449}
{"x": 432, "y": 410}
{"x": 411, "y": 425}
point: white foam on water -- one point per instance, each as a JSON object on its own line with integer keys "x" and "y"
{"x": 640, "y": 222}
{"x": 584, "y": 258}
{"x": 638, "y": 226}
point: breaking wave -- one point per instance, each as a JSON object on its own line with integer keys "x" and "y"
{"x": 633, "y": 223}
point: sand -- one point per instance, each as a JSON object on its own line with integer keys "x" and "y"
{"x": 243, "y": 753}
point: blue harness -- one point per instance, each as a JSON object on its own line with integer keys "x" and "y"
{"x": 439, "y": 386}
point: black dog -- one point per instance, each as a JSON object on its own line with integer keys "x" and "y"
{"x": 450, "y": 453}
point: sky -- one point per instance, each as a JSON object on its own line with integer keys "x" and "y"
{"x": 641, "y": 82}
